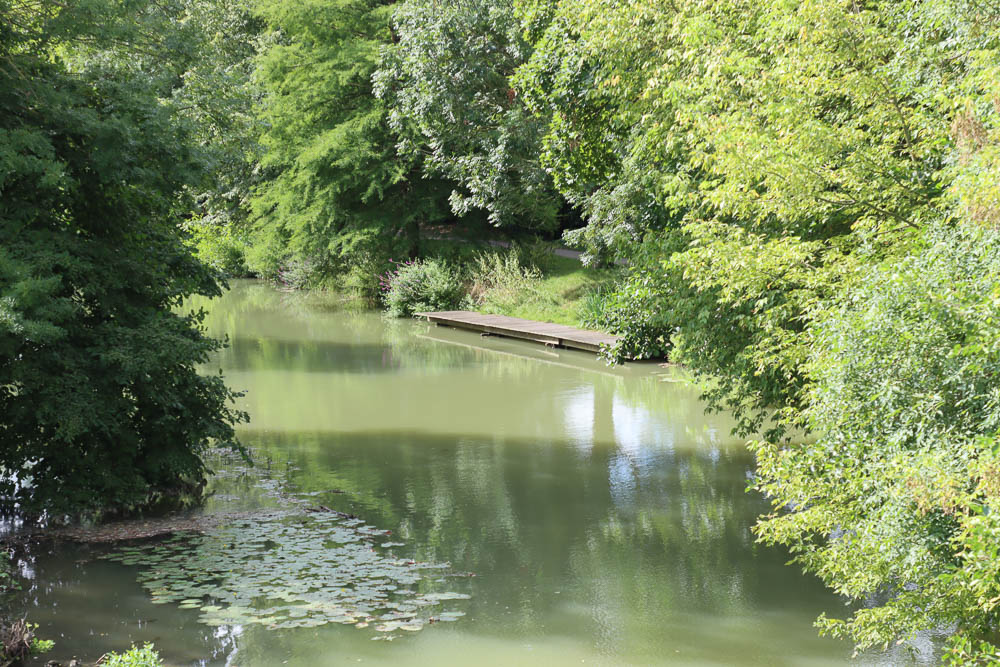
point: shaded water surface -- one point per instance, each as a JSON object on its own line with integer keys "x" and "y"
{"x": 604, "y": 515}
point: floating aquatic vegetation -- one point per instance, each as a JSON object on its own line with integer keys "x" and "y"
{"x": 294, "y": 565}
{"x": 283, "y": 569}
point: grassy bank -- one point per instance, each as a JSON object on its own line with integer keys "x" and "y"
{"x": 527, "y": 280}
{"x": 562, "y": 294}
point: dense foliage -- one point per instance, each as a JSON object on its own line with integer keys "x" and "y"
{"x": 820, "y": 174}
{"x": 334, "y": 186}
{"x": 445, "y": 80}
{"x": 421, "y": 286}
{"x": 903, "y": 387}
{"x": 585, "y": 76}
{"x": 101, "y": 402}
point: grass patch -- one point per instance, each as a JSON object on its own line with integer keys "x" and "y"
{"x": 558, "y": 295}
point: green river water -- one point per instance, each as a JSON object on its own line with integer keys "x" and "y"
{"x": 604, "y": 515}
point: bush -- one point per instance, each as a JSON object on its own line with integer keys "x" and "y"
{"x": 134, "y": 657}
{"x": 222, "y": 249}
{"x": 300, "y": 273}
{"x": 421, "y": 285}
{"x": 646, "y": 305}
{"x": 286, "y": 270}
{"x": 894, "y": 504}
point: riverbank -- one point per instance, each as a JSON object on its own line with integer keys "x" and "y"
{"x": 532, "y": 280}
{"x": 529, "y": 283}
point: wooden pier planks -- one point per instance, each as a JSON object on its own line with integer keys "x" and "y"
{"x": 514, "y": 327}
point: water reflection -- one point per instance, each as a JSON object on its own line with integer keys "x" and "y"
{"x": 604, "y": 515}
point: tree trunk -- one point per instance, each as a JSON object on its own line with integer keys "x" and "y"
{"x": 413, "y": 238}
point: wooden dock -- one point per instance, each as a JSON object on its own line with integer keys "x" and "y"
{"x": 556, "y": 335}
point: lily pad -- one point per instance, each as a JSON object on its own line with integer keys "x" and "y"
{"x": 290, "y": 566}
{"x": 436, "y": 597}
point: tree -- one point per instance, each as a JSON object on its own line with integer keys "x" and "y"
{"x": 585, "y": 80}
{"x": 101, "y": 402}
{"x": 894, "y": 499}
{"x": 754, "y": 122}
{"x": 333, "y": 184}
{"x": 446, "y": 82}
{"x": 215, "y": 93}
{"x": 199, "y": 54}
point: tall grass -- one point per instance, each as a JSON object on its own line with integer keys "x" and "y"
{"x": 498, "y": 281}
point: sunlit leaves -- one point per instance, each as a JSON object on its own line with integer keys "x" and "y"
{"x": 445, "y": 80}
{"x": 893, "y": 495}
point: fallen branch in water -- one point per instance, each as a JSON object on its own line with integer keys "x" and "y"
{"x": 135, "y": 529}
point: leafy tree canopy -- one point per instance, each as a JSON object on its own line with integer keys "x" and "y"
{"x": 895, "y": 498}
{"x": 334, "y": 183}
{"x": 446, "y": 82}
{"x": 822, "y": 255}
{"x": 101, "y": 402}
{"x": 755, "y": 123}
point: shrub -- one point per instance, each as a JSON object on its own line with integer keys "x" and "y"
{"x": 134, "y": 657}
{"x": 645, "y": 306}
{"x": 287, "y": 270}
{"x": 420, "y": 285}
{"x": 300, "y": 273}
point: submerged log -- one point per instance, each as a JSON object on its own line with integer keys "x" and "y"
{"x": 135, "y": 529}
